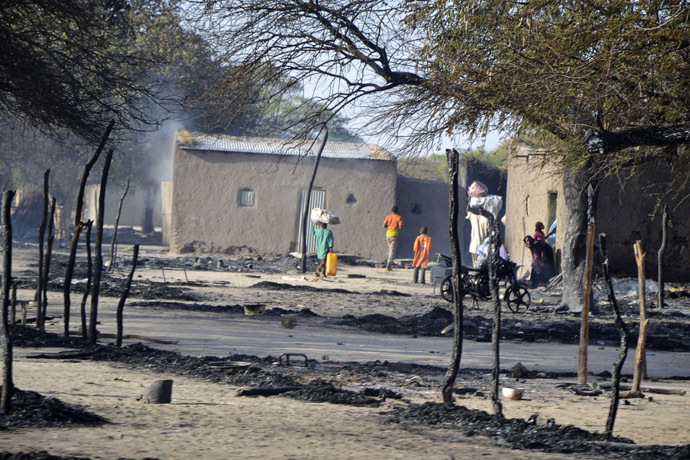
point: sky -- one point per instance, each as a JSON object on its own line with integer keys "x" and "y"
{"x": 491, "y": 142}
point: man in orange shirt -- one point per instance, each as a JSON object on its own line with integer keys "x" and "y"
{"x": 392, "y": 223}
{"x": 422, "y": 247}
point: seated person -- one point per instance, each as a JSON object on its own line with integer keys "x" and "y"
{"x": 543, "y": 266}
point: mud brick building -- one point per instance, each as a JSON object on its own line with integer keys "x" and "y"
{"x": 235, "y": 195}
{"x": 626, "y": 212}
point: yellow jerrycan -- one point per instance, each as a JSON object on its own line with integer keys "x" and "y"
{"x": 331, "y": 264}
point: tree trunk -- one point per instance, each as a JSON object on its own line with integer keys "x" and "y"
{"x": 496, "y": 300}
{"x": 623, "y": 348}
{"x": 113, "y": 243}
{"x": 89, "y": 272}
{"x": 7, "y": 384}
{"x": 660, "y": 259}
{"x": 121, "y": 304}
{"x": 305, "y": 209}
{"x": 69, "y": 272}
{"x": 98, "y": 263}
{"x": 41, "y": 237}
{"x": 575, "y": 248}
{"x": 584, "y": 326}
{"x": 449, "y": 380}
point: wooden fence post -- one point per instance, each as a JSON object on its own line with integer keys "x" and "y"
{"x": 640, "y": 371}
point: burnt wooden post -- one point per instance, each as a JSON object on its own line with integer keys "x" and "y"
{"x": 584, "y": 327}
{"x": 623, "y": 330}
{"x": 660, "y": 258}
{"x": 640, "y": 371}
{"x": 7, "y": 384}
{"x": 49, "y": 254}
{"x": 41, "y": 237}
{"x": 69, "y": 272}
{"x": 496, "y": 300}
{"x": 305, "y": 209}
{"x": 89, "y": 272}
{"x": 113, "y": 243}
{"x": 449, "y": 380}
{"x": 98, "y": 263}
{"x": 121, "y": 304}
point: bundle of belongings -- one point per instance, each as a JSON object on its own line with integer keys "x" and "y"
{"x": 321, "y": 215}
{"x": 480, "y": 198}
{"x": 477, "y": 190}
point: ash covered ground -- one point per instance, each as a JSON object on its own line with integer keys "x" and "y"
{"x": 322, "y": 382}
{"x": 545, "y": 322}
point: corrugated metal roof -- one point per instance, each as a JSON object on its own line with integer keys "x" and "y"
{"x": 272, "y": 146}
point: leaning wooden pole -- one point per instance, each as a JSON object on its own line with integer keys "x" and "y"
{"x": 448, "y": 384}
{"x": 584, "y": 326}
{"x": 41, "y": 237}
{"x": 7, "y": 383}
{"x": 123, "y": 299}
{"x": 496, "y": 300}
{"x": 622, "y": 330}
{"x": 660, "y": 259}
{"x": 113, "y": 243}
{"x": 640, "y": 370}
{"x": 98, "y": 262}
{"x": 307, "y": 199}
{"x": 78, "y": 225}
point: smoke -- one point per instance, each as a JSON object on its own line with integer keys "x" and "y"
{"x": 158, "y": 148}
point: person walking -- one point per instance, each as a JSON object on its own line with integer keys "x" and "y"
{"x": 393, "y": 224}
{"x": 422, "y": 248}
{"x": 324, "y": 245}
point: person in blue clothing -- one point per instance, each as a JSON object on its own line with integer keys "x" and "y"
{"x": 324, "y": 245}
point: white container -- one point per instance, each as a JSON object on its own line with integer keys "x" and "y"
{"x": 512, "y": 393}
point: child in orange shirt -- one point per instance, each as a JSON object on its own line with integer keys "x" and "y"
{"x": 422, "y": 248}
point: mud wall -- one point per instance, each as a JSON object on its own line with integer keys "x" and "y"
{"x": 528, "y": 189}
{"x": 421, "y": 203}
{"x": 133, "y": 207}
{"x": 166, "y": 210}
{"x": 626, "y": 213}
{"x": 207, "y": 216}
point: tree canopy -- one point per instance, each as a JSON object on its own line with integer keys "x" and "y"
{"x": 611, "y": 74}
{"x": 618, "y": 69}
{"x": 169, "y": 74}
{"x": 72, "y": 64}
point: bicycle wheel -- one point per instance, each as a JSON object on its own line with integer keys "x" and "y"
{"x": 517, "y": 297}
{"x": 447, "y": 289}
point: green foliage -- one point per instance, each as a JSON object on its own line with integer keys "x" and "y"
{"x": 561, "y": 67}
{"x": 434, "y": 168}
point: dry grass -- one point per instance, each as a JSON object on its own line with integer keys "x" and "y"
{"x": 185, "y": 137}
